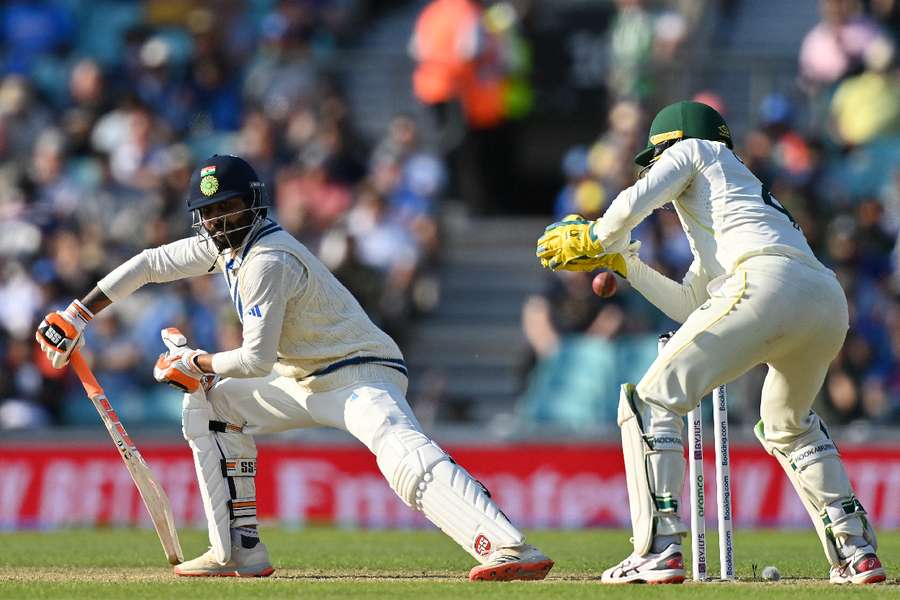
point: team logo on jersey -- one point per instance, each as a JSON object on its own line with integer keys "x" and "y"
{"x": 255, "y": 311}
{"x": 209, "y": 185}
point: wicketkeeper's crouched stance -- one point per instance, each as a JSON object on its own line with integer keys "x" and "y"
{"x": 310, "y": 357}
{"x": 755, "y": 293}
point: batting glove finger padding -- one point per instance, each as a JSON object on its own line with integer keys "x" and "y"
{"x": 181, "y": 370}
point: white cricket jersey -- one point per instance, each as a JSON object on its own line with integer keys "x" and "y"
{"x": 726, "y": 213}
{"x": 297, "y": 317}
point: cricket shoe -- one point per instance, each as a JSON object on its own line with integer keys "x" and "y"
{"x": 663, "y": 567}
{"x": 523, "y": 562}
{"x": 863, "y": 567}
{"x": 244, "y": 562}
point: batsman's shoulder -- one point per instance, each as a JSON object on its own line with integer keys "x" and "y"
{"x": 267, "y": 260}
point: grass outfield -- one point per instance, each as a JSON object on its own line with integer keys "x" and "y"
{"x": 329, "y": 563}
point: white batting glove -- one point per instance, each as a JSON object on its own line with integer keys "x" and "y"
{"x": 60, "y": 332}
{"x": 178, "y": 367}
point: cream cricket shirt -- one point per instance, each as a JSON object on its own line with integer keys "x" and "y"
{"x": 724, "y": 209}
{"x": 297, "y": 318}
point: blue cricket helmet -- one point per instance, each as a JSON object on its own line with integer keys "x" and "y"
{"x": 224, "y": 176}
{"x": 219, "y": 178}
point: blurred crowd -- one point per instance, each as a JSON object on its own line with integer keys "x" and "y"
{"x": 828, "y": 148}
{"x": 106, "y": 107}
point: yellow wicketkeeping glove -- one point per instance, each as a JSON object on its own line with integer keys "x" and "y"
{"x": 570, "y": 245}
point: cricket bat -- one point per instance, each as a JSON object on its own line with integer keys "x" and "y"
{"x": 152, "y": 493}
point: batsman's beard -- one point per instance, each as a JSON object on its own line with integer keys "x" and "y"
{"x": 229, "y": 231}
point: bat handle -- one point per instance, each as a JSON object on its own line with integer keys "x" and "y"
{"x": 91, "y": 386}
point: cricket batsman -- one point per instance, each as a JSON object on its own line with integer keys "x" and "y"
{"x": 310, "y": 357}
{"x": 755, "y": 293}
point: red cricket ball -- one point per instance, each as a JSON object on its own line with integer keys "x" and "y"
{"x": 604, "y": 284}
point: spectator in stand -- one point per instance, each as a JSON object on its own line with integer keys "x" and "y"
{"x": 160, "y": 86}
{"x": 131, "y": 160}
{"x": 841, "y": 44}
{"x": 866, "y": 107}
{"x": 89, "y": 98}
{"x": 582, "y": 194}
{"x": 570, "y": 331}
{"x": 257, "y": 141}
{"x": 461, "y": 68}
{"x": 608, "y": 156}
{"x": 791, "y": 155}
{"x": 284, "y": 72}
{"x": 22, "y": 394}
{"x": 24, "y": 116}
{"x": 54, "y": 191}
{"x": 631, "y": 51}
{"x": 309, "y": 203}
{"x": 413, "y": 180}
{"x": 568, "y": 306}
{"x": 385, "y": 244}
{"x": 115, "y": 210}
{"x": 446, "y": 42}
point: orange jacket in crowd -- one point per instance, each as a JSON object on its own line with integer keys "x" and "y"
{"x": 457, "y": 60}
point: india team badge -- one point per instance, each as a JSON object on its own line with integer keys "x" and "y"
{"x": 208, "y": 182}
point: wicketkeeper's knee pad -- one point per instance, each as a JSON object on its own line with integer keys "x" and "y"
{"x": 225, "y": 461}
{"x": 426, "y": 478}
{"x": 813, "y": 465}
{"x": 654, "y": 472}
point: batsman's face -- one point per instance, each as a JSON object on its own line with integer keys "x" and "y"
{"x": 227, "y": 222}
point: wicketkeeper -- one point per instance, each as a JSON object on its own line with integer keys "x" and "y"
{"x": 310, "y": 357}
{"x": 755, "y": 293}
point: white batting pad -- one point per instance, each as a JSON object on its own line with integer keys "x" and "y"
{"x": 226, "y": 467}
{"x": 654, "y": 472}
{"x": 814, "y": 467}
{"x": 195, "y": 415}
{"x": 426, "y": 478}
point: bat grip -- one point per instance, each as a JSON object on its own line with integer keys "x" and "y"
{"x": 91, "y": 386}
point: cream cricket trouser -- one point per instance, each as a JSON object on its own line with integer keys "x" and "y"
{"x": 375, "y": 411}
{"x": 772, "y": 310}
{"x": 794, "y": 318}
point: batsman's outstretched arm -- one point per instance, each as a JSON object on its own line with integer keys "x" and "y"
{"x": 677, "y": 300}
{"x": 188, "y": 257}
{"x": 61, "y": 332}
{"x": 96, "y": 300}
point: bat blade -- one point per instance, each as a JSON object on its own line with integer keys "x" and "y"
{"x": 154, "y": 497}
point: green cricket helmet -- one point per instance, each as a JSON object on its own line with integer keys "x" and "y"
{"x": 681, "y": 121}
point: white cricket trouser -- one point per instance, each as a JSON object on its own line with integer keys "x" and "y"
{"x": 375, "y": 411}
{"x": 275, "y": 403}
